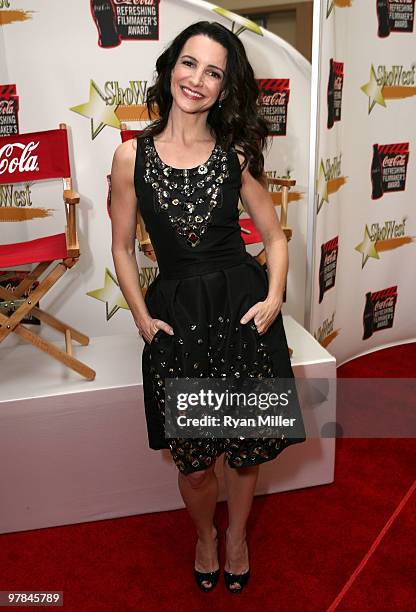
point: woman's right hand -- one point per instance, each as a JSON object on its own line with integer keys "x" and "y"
{"x": 149, "y": 327}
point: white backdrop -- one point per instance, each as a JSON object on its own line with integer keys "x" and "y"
{"x": 53, "y": 57}
{"x": 376, "y": 249}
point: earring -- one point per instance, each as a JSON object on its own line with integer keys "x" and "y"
{"x": 219, "y": 102}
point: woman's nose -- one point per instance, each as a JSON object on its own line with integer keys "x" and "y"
{"x": 197, "y": 77}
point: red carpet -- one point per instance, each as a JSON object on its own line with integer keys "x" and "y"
{"x": 394, "y": 362}
{"x": 344, "y": 546}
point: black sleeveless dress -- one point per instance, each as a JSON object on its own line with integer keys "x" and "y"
{"x": 206, "y": 282}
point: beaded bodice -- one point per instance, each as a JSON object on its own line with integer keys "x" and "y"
{"x": 187, "y": 195}
{"x": 191, "y": 215}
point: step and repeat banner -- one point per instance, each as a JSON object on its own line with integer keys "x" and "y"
{"x": 88, "y": 63}
{"x": 365, "y": 252}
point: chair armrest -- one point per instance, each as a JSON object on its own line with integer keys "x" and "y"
{"x": 282, "y": 182}
{"x": 71, "y": 196}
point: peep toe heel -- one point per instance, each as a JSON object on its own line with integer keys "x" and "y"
{"x": 240, "y": 579}
{"x": 204, "y": 577}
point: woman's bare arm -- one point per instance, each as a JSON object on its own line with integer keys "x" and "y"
{"x": 123, "y": 223}
{"x": 259, "y": 204}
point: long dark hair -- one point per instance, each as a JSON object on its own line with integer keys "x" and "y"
{"x": 237, "y": 122}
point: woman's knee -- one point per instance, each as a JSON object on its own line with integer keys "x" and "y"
{"x": 198, "y": 479}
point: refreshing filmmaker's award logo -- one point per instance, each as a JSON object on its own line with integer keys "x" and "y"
{"x": 118, "y": 20}
{"x": 379, "y": 310}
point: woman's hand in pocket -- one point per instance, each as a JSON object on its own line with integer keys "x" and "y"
{"x": 149, "y": 327}
{"x": 263, "y": 313}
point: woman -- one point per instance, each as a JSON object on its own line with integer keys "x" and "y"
{"x": 212, "y": 310}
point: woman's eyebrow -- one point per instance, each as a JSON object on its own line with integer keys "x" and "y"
{"x": 209, "y": 65}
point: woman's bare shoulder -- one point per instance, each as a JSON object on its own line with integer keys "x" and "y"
{"x": 126, "y": 152}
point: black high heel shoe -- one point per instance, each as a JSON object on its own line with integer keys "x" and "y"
{"x": 211, "y": 577}
{"x": 233, "y": 579}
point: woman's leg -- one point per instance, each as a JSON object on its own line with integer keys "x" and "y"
{"x": 199, "y": 491}
{"x": 240, "y": 484}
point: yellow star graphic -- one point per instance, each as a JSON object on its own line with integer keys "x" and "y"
{"x": 243, "y": 22}
{"x": 110, "y": 294}
{"x": 322, "y": 186}
{"x": 367, "y": 248}
{"x": 97, "y": 109}
{"x": 373, "y": 91}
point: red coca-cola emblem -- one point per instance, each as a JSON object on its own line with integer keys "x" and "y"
{"x": 6, "y": 107}
{"x": 279, "y": 98}
{"x": 398, "y": 160}
{"x": 330, "y": 257}
{"x": 386, "y": 303}
{"x": 10, "y": 160}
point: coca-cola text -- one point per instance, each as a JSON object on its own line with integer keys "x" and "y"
{"x": 23, "y": 163}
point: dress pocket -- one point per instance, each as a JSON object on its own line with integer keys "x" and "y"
{"x": 156, "y": 337}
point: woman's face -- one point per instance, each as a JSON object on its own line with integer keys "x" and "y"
{"x": 198, "y": 75}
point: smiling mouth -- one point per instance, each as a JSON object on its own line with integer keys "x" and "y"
{"x": 189, "y": 93}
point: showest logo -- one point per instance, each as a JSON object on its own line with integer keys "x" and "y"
{"x": 390, "y": 229}
{"x": 330, "y": 179}
{"x": 326, "y": 333}
{"x": 114, "y": 105}
{"x": 10, "y": 196}
{"x": 389, "y": 83}
{"x": 134, "y": 93}
{"x": 396, "y": 76}
{"x": 381, "y": 237}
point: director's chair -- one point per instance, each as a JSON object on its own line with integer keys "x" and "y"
{"x": 34, "y": 157}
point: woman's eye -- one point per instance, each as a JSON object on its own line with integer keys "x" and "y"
{"x": 212, "y": 73}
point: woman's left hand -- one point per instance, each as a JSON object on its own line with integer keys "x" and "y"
{"x": 263, "y": 313}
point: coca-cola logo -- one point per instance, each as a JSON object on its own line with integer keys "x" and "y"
{"x": 135, "y": 2}
{"x": 330, "y": 257}
{"x": 386, "y": 303}
{"x": 397, "y": 160}
{"x": 11, "y": 161}
{"x": 276, "y": 99}
{"x": 6, "y": 107}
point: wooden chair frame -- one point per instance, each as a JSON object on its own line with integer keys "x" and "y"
{"x": 285, "y": 184}
{"x": 13, "y": 323}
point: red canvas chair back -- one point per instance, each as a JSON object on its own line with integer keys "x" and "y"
{"x": 34, "y": 157}
{"x": 128, "y": 134}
